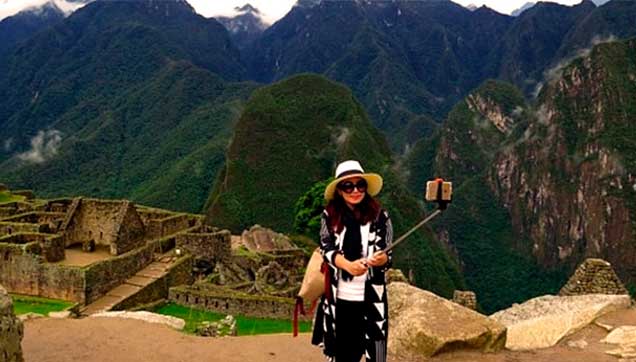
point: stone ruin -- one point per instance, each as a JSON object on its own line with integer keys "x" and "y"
{"x": 261, "y": 239}
{"x": 115, "y": 225}
{"x": 224, "y": 327}
{"x": 11, "y": 331}
{"x": 466, "y": 298}
{"x": 593, "y": 276}
{"x": 80, "y": 249}
{"x": 257, "y": 273}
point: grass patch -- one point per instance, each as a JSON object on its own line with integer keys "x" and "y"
{"x": 6, "y": 197}
{"x": 245, "y": 325}
{"x": 23, "y": 304}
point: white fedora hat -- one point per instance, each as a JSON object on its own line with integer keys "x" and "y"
{"x": 349, "y": 169}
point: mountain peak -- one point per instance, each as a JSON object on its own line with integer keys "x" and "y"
{"x": 247, "y": 9}
{"x": 50, "y": 7}
{"x": 525, "y": 7}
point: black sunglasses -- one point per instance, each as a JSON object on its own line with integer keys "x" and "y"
{"x": 348, "y": 186}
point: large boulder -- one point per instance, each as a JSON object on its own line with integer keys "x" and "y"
{"x": 263, "y": 239}
{"x": 173, "y": 322}
{"x": 542, "y": 322}
{"x": 422, "y": 324}
{"x": 11, "y": 331}
{"x": 625, "y": 340}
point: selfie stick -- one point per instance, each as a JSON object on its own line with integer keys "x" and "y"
{"x": 441, "y": 197}
{"x": 401, "y": 238}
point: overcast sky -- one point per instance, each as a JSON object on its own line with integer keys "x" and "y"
{"x": 272, "y": 10}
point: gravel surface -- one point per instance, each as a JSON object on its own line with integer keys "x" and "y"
{"x": 121, "y": 340}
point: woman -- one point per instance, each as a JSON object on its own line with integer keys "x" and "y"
{"x": 354, "y": 232}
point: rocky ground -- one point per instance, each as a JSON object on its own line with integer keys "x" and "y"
{"x": 112, "y": 339}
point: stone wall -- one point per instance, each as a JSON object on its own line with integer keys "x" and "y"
{"x": 24, "y": 272}
{"x": 6, "y": 211}
{"x": 36, "y": 217}
{"x": 147, "y": 214}
{"x": 58, "y": 205}
{"x": 103, "y": 276}
{"x": 467, "y": 299}
{"x": 18, "y": 206}
{"x": 593, "y": 276}
{"x": 51, "y": 247}
{"x": 159, "y": 228}
{"x": 92, "y": 219}
{"x": 130, "y": 233}
{"x": 227, "y": 301}
{"x": 11, "y": 331}
{"x": 111, "y": 223}
{"x": 180, "y": 274}
{"x": 8, "y": 228}
{"x": 212, "y": 247}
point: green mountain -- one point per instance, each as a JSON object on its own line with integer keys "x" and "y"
{"x": 122, "y": 100}
{"x": 613, "y": 20}
{"x": 21, "y": 26}
{"x": 98, "y": 52}
{"x": 567, "y": 182}
{"x": 402, "y": 59}
{"x": 530, "y": 45}
{"x": 290, "y": 136}
{"x": 540, "y": 187}
{"x": 477, "y": 227}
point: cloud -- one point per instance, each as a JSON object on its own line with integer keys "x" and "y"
{"x": 555, "y": 73}
{"x": 341, "y": 136}
{"x": 44, "y": 146}
{"x": 12, "y": 7}
{"x": 8, "y": 144}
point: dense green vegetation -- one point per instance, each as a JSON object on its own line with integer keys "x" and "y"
{"x": 308, "y": 209}
{"x": 244, "y": 325}
{"x": 499, "y": 274}
{"x": 122, "y": 100}
{"x": 184, "y": 114}
{"x": 289, "y": 137}
{"x": 23, "y": 304}
{"x": 530, "y": 46}
{"x": 21, "y": 26}
{"x": 494, "y": 260}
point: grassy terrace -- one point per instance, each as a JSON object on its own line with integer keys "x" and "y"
{"x": 245, "y": 326}
{"x": 23, "y": 304}
{"x": 6, "y": 197}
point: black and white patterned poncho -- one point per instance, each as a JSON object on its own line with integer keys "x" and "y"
{"x": 375, "y": 295}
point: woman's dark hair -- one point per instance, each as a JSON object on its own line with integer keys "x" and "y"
{"x": 366, "y": 211}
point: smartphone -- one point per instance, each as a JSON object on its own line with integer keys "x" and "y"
{"x": 439, "y": 190}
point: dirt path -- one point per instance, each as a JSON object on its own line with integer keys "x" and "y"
{"x": 118, "y": 340}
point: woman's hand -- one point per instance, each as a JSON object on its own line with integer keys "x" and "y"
{"x": 356, "y": 267}
{"x": 378, "y": 259}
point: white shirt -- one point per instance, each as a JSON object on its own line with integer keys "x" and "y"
{"x": 353, "y": 290}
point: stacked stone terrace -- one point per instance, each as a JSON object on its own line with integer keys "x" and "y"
{"x": 257, "y": 273}
{"x": 593, "y": 276}
{"x": 43, "y": 245}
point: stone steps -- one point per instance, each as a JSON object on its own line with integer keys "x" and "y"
{"x": 132, "y": 285}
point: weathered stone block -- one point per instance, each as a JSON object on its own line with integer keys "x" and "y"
{"x": 466, "y": 298}
{"x": 423, "y": 324}
{"x": 11, "y": 331}
{"x": 543, "y": 321}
